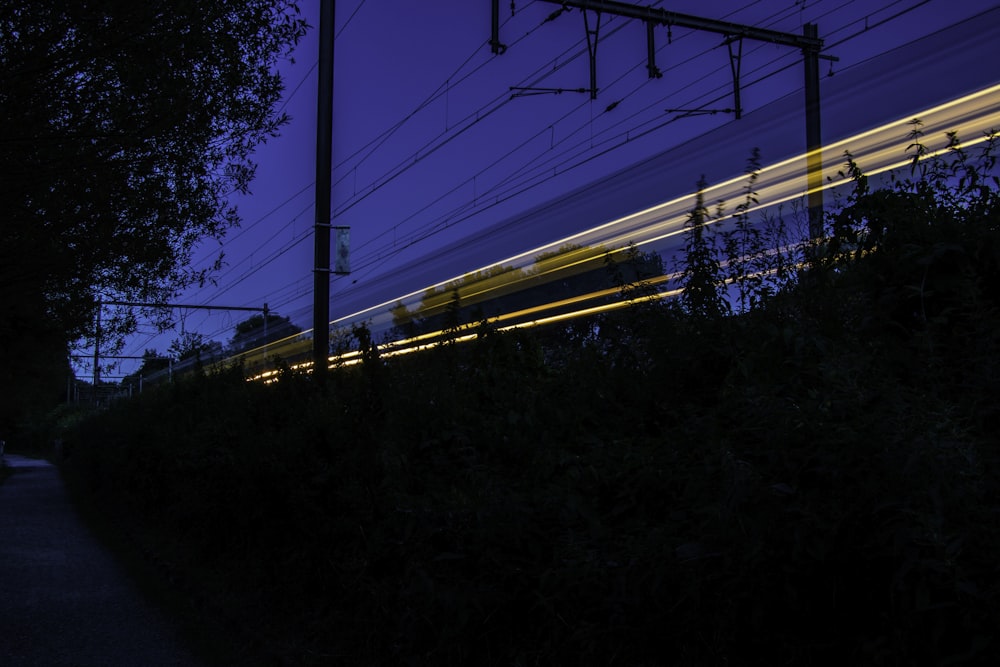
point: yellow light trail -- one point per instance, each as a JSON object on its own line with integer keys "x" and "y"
{"x": 876, "y": 151}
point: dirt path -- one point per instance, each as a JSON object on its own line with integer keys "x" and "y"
{"x": 63, "y": 598}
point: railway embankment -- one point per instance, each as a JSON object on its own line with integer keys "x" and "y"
{"x": 807, "y": 478}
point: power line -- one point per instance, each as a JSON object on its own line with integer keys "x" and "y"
{"x": 380, "y": 139}
{"x": 644, "y": 128}
{"x": 396, "y": 226}
{"x": 424, "y": 236}
{"x": 529, "y": 185}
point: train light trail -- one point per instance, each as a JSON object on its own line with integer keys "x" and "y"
{"x": 537, "y": 272}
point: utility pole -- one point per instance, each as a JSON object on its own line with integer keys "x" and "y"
{"x": 324, "y": 158}
{"x": 814, "y": 138}
{"x": 97, "y": 346}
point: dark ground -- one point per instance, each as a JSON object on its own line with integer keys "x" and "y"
{"x": 64, "y": 600}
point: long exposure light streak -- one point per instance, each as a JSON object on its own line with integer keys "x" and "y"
{"x": 971, "y": 118}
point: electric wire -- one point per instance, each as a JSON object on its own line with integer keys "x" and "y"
{"x": 602, "y": 152}
{"x": 383, "y": 136}
{"x": 545, "y": 129}
{"x": 584, "y": 105}
{"x": 867, "y": 28}
{"x": 451, "y": 216}
{"x": 447, "y": 139}
{"x": 441, "y": 89}
{"x": 520, "y": 171}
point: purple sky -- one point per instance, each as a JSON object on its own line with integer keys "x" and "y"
{"x": 426, "y": 69}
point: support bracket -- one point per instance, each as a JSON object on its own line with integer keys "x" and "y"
{"x": 654, "y": 71}
{"x": 592, "y": 37}
{"x": 498, "y": 47}
{"x": 735, "y": 62}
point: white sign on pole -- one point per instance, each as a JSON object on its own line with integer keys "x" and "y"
{"x": 342, "y": 258}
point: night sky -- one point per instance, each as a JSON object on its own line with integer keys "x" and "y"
{"x": 430, "y": 146}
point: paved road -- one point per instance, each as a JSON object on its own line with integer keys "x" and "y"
{"x": 63, "y": 599}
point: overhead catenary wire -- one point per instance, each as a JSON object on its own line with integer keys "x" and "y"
{"x": 579, "y": 53}
{"x": 645, "y": 127}
{"x": 519, "y": 190}
{"x": 447, "y": 136}
{"x": 436, "y": 94}
{"x": 658, "y": 126}
{"x": 578, "y": 161}
{"x": 689, "y": 59}
{"x": 539, "y": 77}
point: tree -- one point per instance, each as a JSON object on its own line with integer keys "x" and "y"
{"x": 405, "y": 323}
{"x": 192, "y": 345}
{"x": 152, "y": 361}
{"x": 704, "y": 296}
{"x": 251, "y": 332}
{"x": 746, "y": 248}
{"x": 126, "y": 127}
{"x": 633, "y": 272}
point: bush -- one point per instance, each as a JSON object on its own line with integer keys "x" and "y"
{"x": 807, "y": 482}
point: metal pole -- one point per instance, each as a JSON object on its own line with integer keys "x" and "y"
{"x": 735, "y": 64}
{"x": 651, "y": 68}
{"x": 814, "y": 140}
{"x": 592, "y": 51}
{"x": 97, "y": 346}
{"x": 495, "y": 44}
{"x": 324, "y": 157}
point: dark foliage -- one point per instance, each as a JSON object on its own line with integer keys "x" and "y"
{"x": 254, "y": 331}
{"x": 811, "y": 482}
{"x": 126, "y": 127}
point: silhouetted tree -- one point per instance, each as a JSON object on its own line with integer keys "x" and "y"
{"x": 251, "y": 333}
{"x": 191, "y": 345}
{"x": 405, "y": 323}
{"x": 746, "y": 248}
{"x": 701, "y": 273}
{"x": 127, "y": 125}
{"x": 152, "y": 361}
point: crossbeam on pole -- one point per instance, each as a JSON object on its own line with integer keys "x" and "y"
{"x": 809, "y": 42}
{"x": 191, "y": 306}
{"x": 664, "y": 17}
